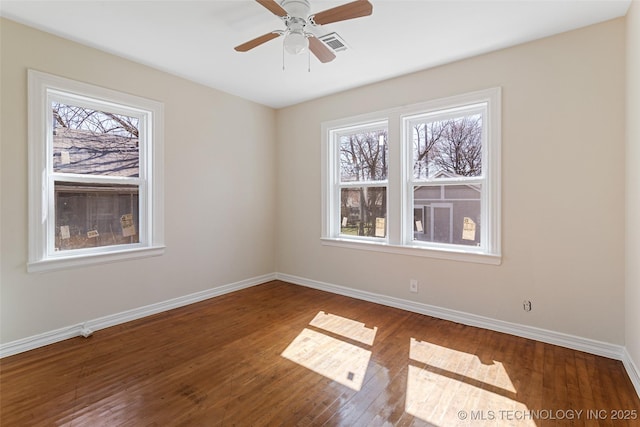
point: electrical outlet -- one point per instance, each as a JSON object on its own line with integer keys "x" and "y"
{"x": 413, "y": 285}
{"x": 526, "y": 305}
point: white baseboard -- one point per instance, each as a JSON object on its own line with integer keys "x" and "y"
{"x": 632, "y": 370}
{"x": 599, "y": 348}
{"x": 557, "y": 338}
{"x": 573, "y": 342}
{"x": 72, "y": 331}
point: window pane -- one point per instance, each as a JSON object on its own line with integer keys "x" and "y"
{"x": 87, "y": 141}
{"x": 452, "y": 216}
{"x": 447, "y": 148}
{"x": 89, "y": 216}
{"x": 363, "y": 156}
{"x": 363, "y": 211}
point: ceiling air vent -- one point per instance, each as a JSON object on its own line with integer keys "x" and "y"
{"x": 334, "y": 41}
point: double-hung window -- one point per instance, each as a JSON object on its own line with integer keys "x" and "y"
{"x": 422, "y": 180}
{"x": 95, "y": 174}
{"x": 361, "y": 180}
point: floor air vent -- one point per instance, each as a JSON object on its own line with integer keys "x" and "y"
{"x": 334, "y": 41}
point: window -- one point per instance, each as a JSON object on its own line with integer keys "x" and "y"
{"x": 446, "y": 175}
{"x": 95, "y": 188}
{"x": 422, "y": 180}
{"x": 362, "y": 181}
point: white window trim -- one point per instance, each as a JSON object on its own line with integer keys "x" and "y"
{"x": 399, "y": 215}
{"x": 41, "y": 87}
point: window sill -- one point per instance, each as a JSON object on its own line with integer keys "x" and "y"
{"x": 440, "y": 253}
{"x": 67, "y": 262}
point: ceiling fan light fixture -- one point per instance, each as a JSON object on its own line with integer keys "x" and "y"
{"x": 296, "y": 42}
{"x": 296, "y": 16}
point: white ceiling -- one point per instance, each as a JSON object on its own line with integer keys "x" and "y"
{"x": 195, "y": 39}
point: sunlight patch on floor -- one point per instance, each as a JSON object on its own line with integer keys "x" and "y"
{"x": 347, "y": 328}
{"x": 450, "y": 387}
{"x": 335, "y": 359}
{"x": 330, "y": 355}
{"x": 464, "y": 364}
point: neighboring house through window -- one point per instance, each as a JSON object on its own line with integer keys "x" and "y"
{"x": 421, "y": 180}
{"x": 95, "y": 174}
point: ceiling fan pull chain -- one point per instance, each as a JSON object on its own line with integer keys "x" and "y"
{"x": 283, "y": 57}
{"x": 308, "y": 60}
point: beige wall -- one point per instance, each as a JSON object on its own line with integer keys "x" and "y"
{"x": 563, "y": 188}
{"x": 219, "y": 186}
{"x": 632, "y": 309}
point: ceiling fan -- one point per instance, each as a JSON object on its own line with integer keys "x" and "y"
{"x": 297, "y": 18}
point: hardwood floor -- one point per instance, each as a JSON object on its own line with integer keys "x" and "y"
{"x": 280, "y": 354}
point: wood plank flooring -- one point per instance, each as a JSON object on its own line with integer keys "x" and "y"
{"x": 284, "y": 355}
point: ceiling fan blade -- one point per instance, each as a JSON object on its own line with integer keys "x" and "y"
{"x": 274, "y": 7}
{"x": 257, "y": 41}
{"x": 321, "y": 51}
{"x": 355, "y": 9}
